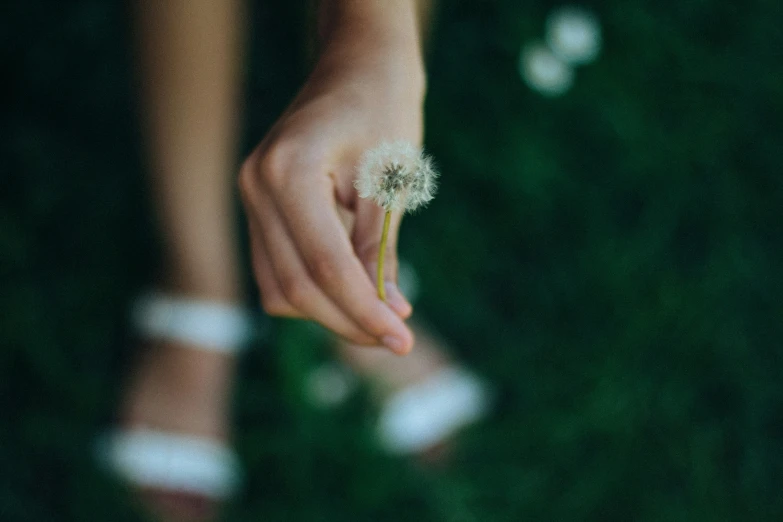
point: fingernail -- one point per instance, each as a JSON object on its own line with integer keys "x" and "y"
{"x": 395, "y": 344}
{"x": 397, "y": 301}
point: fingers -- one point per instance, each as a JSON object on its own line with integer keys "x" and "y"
{"x": 394, "y": 297}
{"x": 366, "y": 238}
{"x": 272, "y": 299}
{"x": 328, "y": 256}
{"x": 292, "y": 282}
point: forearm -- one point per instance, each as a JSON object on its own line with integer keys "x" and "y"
{"x": 379, "y": 20}
{"x": 365, "y": 32}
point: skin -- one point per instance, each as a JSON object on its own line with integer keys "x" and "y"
{"x": 314, "y": 243}
{"x": 189, "y": 56}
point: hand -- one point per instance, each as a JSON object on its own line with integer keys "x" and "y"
{"x": 314, "y": 242}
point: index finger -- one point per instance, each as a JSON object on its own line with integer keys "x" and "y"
{"x": 325, "y": 247}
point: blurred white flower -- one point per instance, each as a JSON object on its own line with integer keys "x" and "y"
{"x": 329, "y": 385}
{"x": 543, "y": 71}
{"x": 574, "y": 35}
{"x": 397, "y": 176}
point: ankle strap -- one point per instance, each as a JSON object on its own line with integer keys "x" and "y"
{"x": 173, "y": 462}
{"x": 208, "y": 325}
{"x": 424, "y": 414}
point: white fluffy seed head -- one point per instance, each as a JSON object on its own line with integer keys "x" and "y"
{"x": 397, "y": 176}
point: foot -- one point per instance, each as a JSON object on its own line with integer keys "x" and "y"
{"x": 179, "y": 389}
{"x": 420, "y": 394}
{"x": 173, "y": 422}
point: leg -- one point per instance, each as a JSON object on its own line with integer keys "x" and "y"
{"x": 390, "y": 373}
{"x": 189, "y": 55}
{"x": 425, "y": 397}
{"x": 189, "y": 58}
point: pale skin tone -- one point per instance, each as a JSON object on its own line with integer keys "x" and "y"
{"x": 189, "y": 60}
{"x": 189, "y": 56}
{"x": 297, "y": 186}
{"x": 313, "y": 244}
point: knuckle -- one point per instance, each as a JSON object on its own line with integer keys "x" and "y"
{"x": 274, "y": 304}
{"x": 364, "y": 339}
{"x": 371, "y": 324}
{"x": 295, "y": 291}
{"x": 369, "y": 252}
{"x": 351, "y": 332}
{"x": 246, "y": 180}
{"x": 326, "y": 270}
{"x": 273, "y": 164}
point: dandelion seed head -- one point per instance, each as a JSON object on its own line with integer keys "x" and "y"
{"x": 397, "y": 176}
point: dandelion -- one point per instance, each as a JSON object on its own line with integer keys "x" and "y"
{"x": 398, "y": 177}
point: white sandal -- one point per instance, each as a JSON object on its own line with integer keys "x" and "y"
{"x": 171, "y": 461}
{"x": 425, "y": 414}
{"x": 422, "y": 415}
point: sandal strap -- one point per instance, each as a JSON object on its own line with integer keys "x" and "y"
{"x": 173, "y": 462}
{"x": 207, "y": 325}
{"x": 424, "y": 414}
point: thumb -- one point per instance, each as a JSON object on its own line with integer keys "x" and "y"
{"x": 367, "y": 232}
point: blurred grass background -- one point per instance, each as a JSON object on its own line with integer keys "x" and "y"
{"x": 609, "y": 259}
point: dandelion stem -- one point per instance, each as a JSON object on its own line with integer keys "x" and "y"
{"x": 382, "y": 254}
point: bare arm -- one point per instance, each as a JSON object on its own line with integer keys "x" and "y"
{"x": 314, "y": 243}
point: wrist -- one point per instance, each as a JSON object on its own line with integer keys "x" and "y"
{"x": 375, "y": 38}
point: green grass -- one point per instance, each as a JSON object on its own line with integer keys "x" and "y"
{"x": 610, "y": 260}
